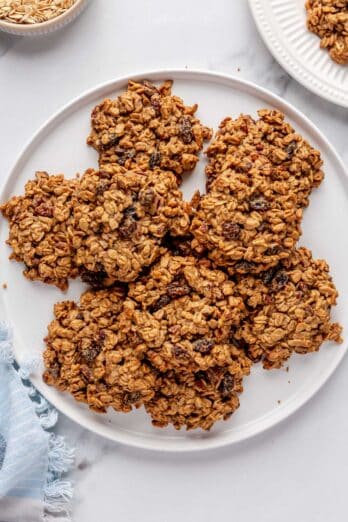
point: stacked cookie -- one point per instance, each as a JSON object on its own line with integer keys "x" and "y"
{"x": 184, "y": 298}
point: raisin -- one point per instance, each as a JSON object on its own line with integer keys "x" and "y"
{"x": 238, "y": 343}
{"x": 131, "y": 398}
{"x": 302, "y": 286}
{"x": 226, "y": 385}
{"x": 230, "y": 230}
{"x": 254, "y": 358}
{"x": 291, "y": 148}
{"x": 203, "y": 346}
{"x": 268, "y": 299}
{"x": 102, "y": 336}
{"x": 54, "y": 371}
{"x": 94, "y": 279}
{"x": 86, "y": 373}
{"x": 128, "y": 224}
{"x": 90, "y": 352}
{"x": 147, "y": 197}
{"x": 280, "y": 280}
{"x": 101, "y": 188}
{"x": 272, "y": 251}
{"x": 178, "y": 352}
{"x": 156, "y": 105}
{"x": 150, "y": 89}
{"x": 258, "y": 203}
{"x": 178, "y": 288}
{"x": 124, "y": 156}
{"x": 44, "y": 210}
{"x": 245, "y": 267}
{"x": 162, "y": 301}
{"x": 113, "y": 140}
{"x": 263, "y": 227}
{"x": 268, "y": 276}
{"x": 79, "y": 316}
{"x": 186, "y": 133}
{"x": 155, "y": 160}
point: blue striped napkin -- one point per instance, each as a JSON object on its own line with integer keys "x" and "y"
{"x": 32, "y": 460}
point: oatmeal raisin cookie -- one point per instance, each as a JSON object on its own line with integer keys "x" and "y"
{"x": 270, "y": 145}
{"x": 91, "y": 352}
{"x": 290, "y": 308}
{"x": 328, "y": 19}
{"x": 188, "y": 310}
{"x": 147, "y": 127}
{"x": 121, "y": 219}
{"x": 198, "y": 400}
{"x": 247, "y": 222}
{"x": 40, "y": 226}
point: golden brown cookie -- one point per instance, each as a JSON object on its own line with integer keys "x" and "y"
{"x": 328, "y": 19}
{"x": 121, "y": 220}
{"x": 40, "y": 225}
{"x": 187, "y": 312}
{"x": 147, "y": 127}
{"x": 198, "y": 400}
{"x": 270, "y": 145}
{"x": 91, "y": 353}
{"x": 289, "y": 309}
{"x": 247, "y": 222}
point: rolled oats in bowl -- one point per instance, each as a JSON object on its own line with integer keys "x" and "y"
{"x": 38, "y": 17}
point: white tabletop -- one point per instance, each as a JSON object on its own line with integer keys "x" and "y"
{"x": 296, "y": 471}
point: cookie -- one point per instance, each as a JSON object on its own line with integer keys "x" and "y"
{"x": 247, "y": 222}
{"x": 198, "y": 400}
{"x": 270, "y": 145}
{"x": 40, "y": 224}
{"x": 147, "y": 127}
{"x": 290, "y": 310}
{"x": 121, "y": 220}
{"x": 187, "y": 310}
{"x": 90, "y": 354}
{"x": 328, "y": 19}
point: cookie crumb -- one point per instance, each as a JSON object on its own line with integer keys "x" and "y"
{"x": 4, "y": 286}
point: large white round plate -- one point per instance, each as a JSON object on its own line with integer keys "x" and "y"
{"x": 282, "y": 24}
{"x": 59, "y": 146}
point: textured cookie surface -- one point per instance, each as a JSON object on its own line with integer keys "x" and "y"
{"x": 290, "y": 309}
{"x": 121, "y": 219}
{"x": 328, "y": 19}
{"x": 40, "y": 225}
{"x": 90, "y": 353}
{"x": 147, "y": 127}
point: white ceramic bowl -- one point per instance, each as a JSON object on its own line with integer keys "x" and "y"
{"x": 45, "y": 27}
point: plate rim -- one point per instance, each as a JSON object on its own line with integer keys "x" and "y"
{"x": 265, "y": 422}
{"x": 283, "y": 57}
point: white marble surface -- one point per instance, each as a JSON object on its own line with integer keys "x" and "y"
{"x": 296, "y": 471}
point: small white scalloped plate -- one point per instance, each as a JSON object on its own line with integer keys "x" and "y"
{"x": 59, "y": 146}
{"x": 282, "y": 25}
